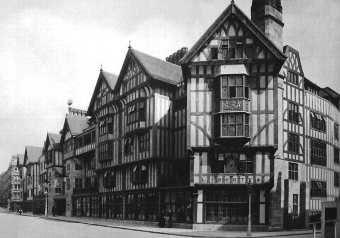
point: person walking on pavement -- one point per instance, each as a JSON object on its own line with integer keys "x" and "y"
{"x": 170, "y": 218}
{"x": 162, "y": 219}
{"x": 53, "y": 210}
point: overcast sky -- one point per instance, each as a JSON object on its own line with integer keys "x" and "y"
{"x": 51, "y": 51}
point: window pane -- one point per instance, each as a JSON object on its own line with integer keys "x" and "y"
{"x": 231, "y": 118}
{"x": 232, "y": 130}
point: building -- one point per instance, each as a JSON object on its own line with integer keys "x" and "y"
{"x": 233, "y": 117}
{"x": 31, "y": 181}
{"x": 16, "y": 195}
{"x": 52, "y": 151}
{"x": 77, "y": 140}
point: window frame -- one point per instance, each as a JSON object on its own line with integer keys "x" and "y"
{"x": 293, "y": 78}
{"x": 293, "y": 112}
{"x": 336, "y": 156}
{"x": 336, "y": 131}
{"x": 139, "y": 174}
{"x": 293, "y": 143}
{"x": 293, "y": 171}
{"x": 318, "y": 189}
{"x": 318, "y": 152}
{"x": 336, "y": 179}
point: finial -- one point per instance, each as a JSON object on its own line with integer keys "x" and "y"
{"x": 232, "y": 1}
{"x": 129, "y": 45}
{"x": 101, "y": 68}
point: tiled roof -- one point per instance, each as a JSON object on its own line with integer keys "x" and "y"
{"x": 77, "y": 124}
{"x": 111, "y": 79}
{"x": 159, "y": 69}
{"x": 32, "y": 154}
{"x": 20, "y": 159}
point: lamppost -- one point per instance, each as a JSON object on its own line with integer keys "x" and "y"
{"x": 249, "y": 215}
{"x": 46, "y": 196}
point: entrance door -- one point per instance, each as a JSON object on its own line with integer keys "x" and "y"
{"x": 330, "y": 214}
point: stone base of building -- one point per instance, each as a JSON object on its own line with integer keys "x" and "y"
{"x": 222, "y": 227}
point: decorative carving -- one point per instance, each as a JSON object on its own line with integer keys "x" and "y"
{"x": 232, "y": 105}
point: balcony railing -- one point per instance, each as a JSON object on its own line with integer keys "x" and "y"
{"x": 86, "y": 190}
{"x": 232, "y": 105}
{"x": 85, "y": 149}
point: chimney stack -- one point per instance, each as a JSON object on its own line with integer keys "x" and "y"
{"x": 267, "y": 15}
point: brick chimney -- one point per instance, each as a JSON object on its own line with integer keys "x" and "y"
{"x": 267, "y": 15}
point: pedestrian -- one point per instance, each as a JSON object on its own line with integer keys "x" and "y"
{"x": 170, "y": 219}
{"x": 20, "y": 211}
{"x": 53, "y": 210}
{"x": 162, "y": 219}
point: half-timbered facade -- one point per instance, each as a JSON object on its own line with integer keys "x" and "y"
{"x": 231, "y": 118}
{"x": 78, "y": 149}
{"x": 31, "y": 158}
{"x": 55, "y": 173}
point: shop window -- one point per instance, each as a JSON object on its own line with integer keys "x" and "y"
{"x": 318, "y": 189}
{"x": 139, "y": 174}
{"x": 109, "y": 178}
{"x": 128, "y": 145}
{"x": 336, "y": 132}
{"x": 293, "y": 113}
{"x": 293, "y": 143}
{"x": 78, "y": 183}
{"x": 229, "y": 206}
{"x": 318, "y": 153}
{"x": 293, "y": 78}
{"x": 336, "y": 156}
{"x": 144, "y": 141}
{"x": 293, "y": 171}
{"x": 317, "y": 122}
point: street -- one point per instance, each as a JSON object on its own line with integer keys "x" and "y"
{"x": 15, "y": 226}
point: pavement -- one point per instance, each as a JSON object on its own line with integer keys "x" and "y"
{"x": 169, "y": 231}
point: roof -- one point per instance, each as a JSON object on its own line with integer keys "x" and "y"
{"x": 20, "y": 161}
{"x": 110, "y": 79}
{"x": 53, "y": 138}
{"x": 157, "y": 68}
{"x": 32, "y": 154}
{"x": 331, "y": 92}
{"x": 77, "y": 124}
{"x": 233, "y": 10}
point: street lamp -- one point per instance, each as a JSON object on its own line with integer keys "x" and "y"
{"x": 46, "y": 196}
{"x": 249, "y": 215}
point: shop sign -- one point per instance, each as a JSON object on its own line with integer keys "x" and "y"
{"x": 231, "y": 179}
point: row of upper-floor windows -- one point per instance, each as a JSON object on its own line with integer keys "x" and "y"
{"x": 317, "y": 121}
{"x": 144, "y": 143}
{"x": 318, "y": 150}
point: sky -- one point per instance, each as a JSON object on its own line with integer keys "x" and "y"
{"x": 52, "y": 51}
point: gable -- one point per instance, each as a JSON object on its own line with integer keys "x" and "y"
{"x": 132, "y": 77}
{"x": 235, "y": 29}
{"x": 293, "y": 60}
{"x": 232, "y": 40}
{"x": 103, "y": 91}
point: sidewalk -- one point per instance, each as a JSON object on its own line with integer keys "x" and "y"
{"x": 168, "y": 231}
